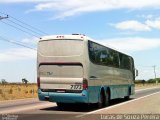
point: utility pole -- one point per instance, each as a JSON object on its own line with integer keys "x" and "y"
{"x": 154, "y": 68}
{"x": 1, "y": 18}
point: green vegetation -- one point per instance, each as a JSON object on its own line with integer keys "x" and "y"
{"x": 24, "y": 80}
{"x": 147, "y": 81}
{"x": 3, "y": 81}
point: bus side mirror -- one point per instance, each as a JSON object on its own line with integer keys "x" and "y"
{"x": 136, "y": 72}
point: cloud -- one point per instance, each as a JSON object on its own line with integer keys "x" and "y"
{"x": 153, "y": 23}
{"x": 149, "y": 16}
{"x": 132, "y": 44}
{"x": 24, "y": 1}
{"x": 148, "y": 25}
{"x": 32, "y": 40}
{"x": 66, "y": 8}
{"x": 16, "y": 54}
{"x": 132, "y": 25}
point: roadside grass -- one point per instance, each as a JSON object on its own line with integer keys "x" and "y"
{"x": 146, "y": 85}
{"x": 17, "y": 91}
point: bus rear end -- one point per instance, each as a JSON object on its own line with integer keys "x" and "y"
{"x": 61, "y": 70}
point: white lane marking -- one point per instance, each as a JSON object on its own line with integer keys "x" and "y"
{"x": 25, "y": 108}
{"x": 146, "y": 89}
{"x": 120, "y": 104}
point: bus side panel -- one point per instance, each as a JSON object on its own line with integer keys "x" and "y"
{"x": 119, "y": 91}
{"x": 112, "y": 69}
{"x": 93, "y": 94}
{"x": 121, "y": 83}
{"x": 117, "y": 80}
{"x": 100, "y": 78}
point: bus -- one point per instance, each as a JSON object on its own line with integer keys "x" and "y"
{"x": 76, "y": 69}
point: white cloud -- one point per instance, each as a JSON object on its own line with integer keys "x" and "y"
{"x": 74, "y": 7}
{"x": 32, "y": 40}
{"x": 67, "y": 8}
{"x": 16, "y": 54}
{"x": 132, "y": 44}
{"x": 149, "y": 16}
{"x": 132, "y": 25}
{"x": 153, "y": 23}
{"x": 148, "y": 25}
{"x": 22, "y": 1}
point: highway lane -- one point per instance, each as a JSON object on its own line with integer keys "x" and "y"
{"x": 143, "y": 92}
{"x": 47, "y": 110}
{"x": 13, "y": 103}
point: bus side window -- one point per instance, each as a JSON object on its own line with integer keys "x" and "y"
{"x": 109, "y": 59}
{"x": 103, "y": 56}
{"x": 113, "y": 59}
{"x": 125, "y": 62}
{"x": 92, "y": 51}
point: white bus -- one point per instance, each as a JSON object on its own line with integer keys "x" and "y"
{"x": 75, "y": 69}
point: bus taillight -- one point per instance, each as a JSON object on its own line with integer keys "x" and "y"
{"x": 85, "y": 84}
{"x": 38, "y": 82}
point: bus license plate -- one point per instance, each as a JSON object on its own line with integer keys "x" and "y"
{"x": 76, "y": 87}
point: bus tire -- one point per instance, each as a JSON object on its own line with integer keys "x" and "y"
{"x": 107, "y": 99}
{"x": 100, "y": 103}
{"x": 126, "y": 97}
{"x": 61, "y": 105}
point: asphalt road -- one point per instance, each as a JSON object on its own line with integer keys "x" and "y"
{"x": 34, "y": 109}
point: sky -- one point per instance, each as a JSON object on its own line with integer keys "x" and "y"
{"x": 130, "y": 26}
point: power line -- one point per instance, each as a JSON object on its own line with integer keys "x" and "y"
{"x": 29, "y": 25}
{"x": 3, "y": 17}
{"x": 20, "y": 29}
{"x": 40, "y": 31}
{"x": 24, "y": 27}
{"x": 16, "y": 43}
{"x": 154, "y": 68}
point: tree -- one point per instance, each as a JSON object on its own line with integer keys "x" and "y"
{"x": 3, "y": 81}
{"x": 140, "y": 81}
{"x": 24, "y": 80}
{"x": 151, "y": 81}
{"x": 158, "y": 79}
{"x": 143, "y": 82}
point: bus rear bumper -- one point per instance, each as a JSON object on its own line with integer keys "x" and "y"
{"x": 63, "y": 97}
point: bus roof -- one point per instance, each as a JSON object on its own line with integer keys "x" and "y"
{"x": 73, "y": 36}
{"x": 80, "y": 37}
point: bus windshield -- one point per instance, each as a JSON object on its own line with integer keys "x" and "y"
{"x": 62, "y": 47}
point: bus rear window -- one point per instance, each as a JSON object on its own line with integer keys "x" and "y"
{"x": 60, "y": 47}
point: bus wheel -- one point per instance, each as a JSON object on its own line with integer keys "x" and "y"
{"x": 61, "y": 105}
{"x": 126, "y": 97}
{"x": 101, "y": 101}
{"x": 107, "y": 100}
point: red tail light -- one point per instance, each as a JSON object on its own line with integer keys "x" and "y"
{"x": 85, "y": 84}
{"x": 38, "y": 82}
